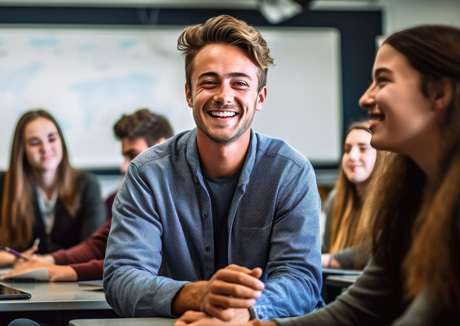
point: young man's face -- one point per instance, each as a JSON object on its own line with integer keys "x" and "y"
{"x": 224, "y": 94}
{"x": 130, "y": 149}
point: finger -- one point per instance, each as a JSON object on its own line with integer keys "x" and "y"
{"x": 237, "y": 277}
{"x": 236, "y": 290}
{"x": 220, "y": 313}
{"x": 238, "y": 268}
{"x": 29, "y": 252}
{"x": 256, "y": 272}
{"x": 225, "y": 301}
{"x": 189, "y": 317}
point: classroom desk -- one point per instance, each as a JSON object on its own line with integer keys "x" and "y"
{"x": 335, "y": 281}
{"x": 342, "y": 281}
{"x": 124, "y": 322}
{"x": 55, "y": 303}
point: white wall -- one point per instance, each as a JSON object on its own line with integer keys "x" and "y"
{"x": 400, "y": 14}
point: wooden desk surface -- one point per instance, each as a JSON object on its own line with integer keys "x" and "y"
{"x": 55, "y": 296}
{"x": 123, "y": 322}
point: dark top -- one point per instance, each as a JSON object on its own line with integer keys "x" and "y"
{"x": 87, "y": 258}
{"x": 69, "y": 230}
{"x": 221, "y": 192}
{"x": 375, "y": 299}
{"x": 108, "y": 205}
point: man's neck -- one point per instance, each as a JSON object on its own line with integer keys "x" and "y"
{"x": 222, "y": 160}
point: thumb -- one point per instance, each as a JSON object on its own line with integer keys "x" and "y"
{"x": 29, "y": 252}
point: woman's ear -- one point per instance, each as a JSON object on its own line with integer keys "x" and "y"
{"x": 441, "y": 94}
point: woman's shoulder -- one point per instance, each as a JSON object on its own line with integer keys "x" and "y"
{"x": 86, "y": 179}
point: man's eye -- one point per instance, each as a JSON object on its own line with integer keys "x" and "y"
{"x": 241, "y": 84}
{"x": 208, "y": 82}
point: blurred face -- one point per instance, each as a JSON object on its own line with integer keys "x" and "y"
{"x": 399, "y": 111}
{"x": 43, "y": 146}
{"x": 130, "y": 149}
{"x": 224, "y": 94}
{"x": 359, "y": 156}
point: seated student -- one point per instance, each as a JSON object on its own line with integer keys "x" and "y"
{"x": 201, "y": 217}
{"x": 41, "y": 195}
{"x": 137, "y": 132}
{"x": 344, "y": 205}
{"x": 414, "y": 105}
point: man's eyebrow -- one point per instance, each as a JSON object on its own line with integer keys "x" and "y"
{"x": 239, "y": 74}
{"x": 208, "y": 74}
{"x": 231, "y": 75}
{"x": 129, "y": 152}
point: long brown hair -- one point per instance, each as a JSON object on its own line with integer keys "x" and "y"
{"x": 17, "y": 211}
{"x": 348, "y": 205}
{"x": 416, "y": 233}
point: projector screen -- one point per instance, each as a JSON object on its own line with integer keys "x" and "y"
{"x": 88, "y": 77}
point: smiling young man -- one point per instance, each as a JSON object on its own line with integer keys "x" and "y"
{"x": 218, "y": 219}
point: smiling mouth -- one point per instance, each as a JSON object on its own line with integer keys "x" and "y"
{"x": 222, "y": 114}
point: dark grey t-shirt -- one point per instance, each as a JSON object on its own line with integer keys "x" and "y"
{"x": 221, "y": 192}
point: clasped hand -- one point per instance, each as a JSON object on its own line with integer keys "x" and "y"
{"x": 228, "y": 294}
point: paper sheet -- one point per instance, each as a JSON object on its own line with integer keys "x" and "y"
{"x": 37, "y": 275}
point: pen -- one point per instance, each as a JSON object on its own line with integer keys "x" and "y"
{"x": 14, "y": 252}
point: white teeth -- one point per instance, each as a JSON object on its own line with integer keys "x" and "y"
{"x": 223, "y": 114}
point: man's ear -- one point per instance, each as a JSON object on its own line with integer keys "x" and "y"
{"x": 159, "y": 141}
{"x": 261, "y": 98}
{"x": 441, "y": 94}
{"x": 188, "y": 96}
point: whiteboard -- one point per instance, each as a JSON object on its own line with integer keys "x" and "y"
{"x": 88, "y": 77}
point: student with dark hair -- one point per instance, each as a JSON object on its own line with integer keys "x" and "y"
{"x": 137, "y": 132}
{"x": 414, "y": 105}
{"x": 210, "y": 211}
{"x": 41, "y": 195}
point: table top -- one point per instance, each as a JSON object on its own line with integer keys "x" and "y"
{"x": 55, "y": 296}
{"x": 123, "y": 322}
{"x": 341, "y": 280}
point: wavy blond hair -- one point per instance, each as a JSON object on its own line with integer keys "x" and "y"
{"x": 225, "y": 29}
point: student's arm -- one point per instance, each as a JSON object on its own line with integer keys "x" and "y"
{"x": 56, "y": 273}
{"x": 91, "y": 270}
{"x": 91, "y": 249}
{"x": 348, "y": 258}
{"x": 372, "y": 300}
{"x": 92, "y": 210}
{"x": 294, "y": 268}
{"x": 133, "y": 258}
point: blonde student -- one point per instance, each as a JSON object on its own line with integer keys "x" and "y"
{"x": 41, "y": 195}
{"x": 345, "y": 229}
